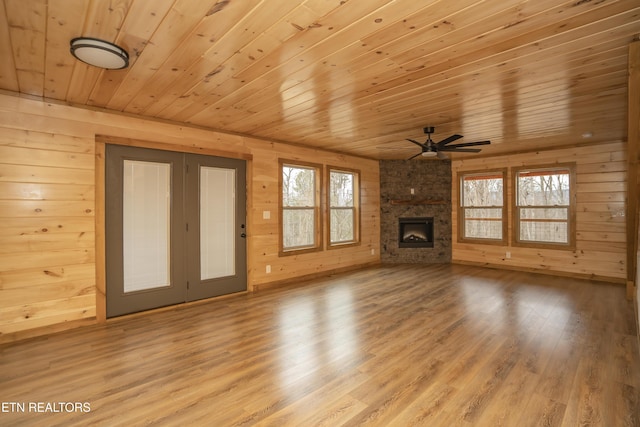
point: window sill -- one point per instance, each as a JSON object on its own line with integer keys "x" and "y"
{"x": 545, "y": 245}
{"x": 494, "y": 242}
{"x": 343, "y": 245}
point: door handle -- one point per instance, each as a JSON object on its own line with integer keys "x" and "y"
{"x": 243, "y": 235}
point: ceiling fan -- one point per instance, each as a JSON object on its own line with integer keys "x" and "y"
{"x": 436, "y": 149}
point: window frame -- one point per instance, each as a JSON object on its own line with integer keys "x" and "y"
{"x": 317, "y": 208}
{"x": 356, "y": 207}
{"x": 461, "y": 208}
{"x": 571, "y": 208}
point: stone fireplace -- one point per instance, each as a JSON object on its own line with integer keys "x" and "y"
{"x": 430, "y": 202}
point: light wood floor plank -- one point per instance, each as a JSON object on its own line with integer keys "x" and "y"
{"x": 408, "y": 345}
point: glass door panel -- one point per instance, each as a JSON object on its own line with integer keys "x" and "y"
{"x": 217, "y": 222}
{"x": 146, "y": 217}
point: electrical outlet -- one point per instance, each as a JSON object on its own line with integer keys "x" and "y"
{"x": 413, "y": 191}
{"x": 268, "y": 268}
{"x": 373, "y": 251}
{"x": 508, "y": 255}
{"x": 266, "y": 214}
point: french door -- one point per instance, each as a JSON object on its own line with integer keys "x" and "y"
{"x": 175, "y": 228}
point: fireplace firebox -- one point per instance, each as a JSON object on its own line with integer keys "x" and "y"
{"x": 415, "y": 232}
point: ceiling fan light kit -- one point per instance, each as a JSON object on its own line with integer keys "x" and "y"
{"x": 99, "y": 53}
{"x": 432, "y": 149}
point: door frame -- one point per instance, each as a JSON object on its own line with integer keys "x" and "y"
{"x": 100, "y": 151}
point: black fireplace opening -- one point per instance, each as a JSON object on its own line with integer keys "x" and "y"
{"x": 415, "y": 232}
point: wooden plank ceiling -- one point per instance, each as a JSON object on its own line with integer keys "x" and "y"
{"x": 347, "y": 75}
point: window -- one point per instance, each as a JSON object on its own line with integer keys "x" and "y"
{"x": 545, "y": 212}
{"x": 300, "y": 207}
{"x": 482, "y": 203}
{"x": 344, "y": 206}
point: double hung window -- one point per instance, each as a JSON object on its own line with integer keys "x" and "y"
{"x": 300, "y": 207}
{"x": 544, "y": 212}
{"x": 344, "y": 206}
{"x": 482, "y": 207}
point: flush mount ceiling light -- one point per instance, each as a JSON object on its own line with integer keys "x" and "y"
{"x": 99, "y": 53}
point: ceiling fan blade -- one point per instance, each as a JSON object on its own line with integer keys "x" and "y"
{"x": 448, "y": 140}
{"x": 416, "y": 142}
{"x": 460, "y": 150}
{"x": 469, "y": 144}
{"x": 412, "y": 157}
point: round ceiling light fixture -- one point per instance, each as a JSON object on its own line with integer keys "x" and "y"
{"x": 99, "y": 53}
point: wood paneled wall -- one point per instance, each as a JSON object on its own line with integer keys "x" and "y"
{"x": 633, "y": 156}
{"x": 48, "y": 203}
{"x": 600, "y": 224}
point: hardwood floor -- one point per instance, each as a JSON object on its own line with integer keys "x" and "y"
{"x": 401, "y": 345}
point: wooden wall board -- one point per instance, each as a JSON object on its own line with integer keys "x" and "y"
{"x": 51, "y": 218}
{"x": 8, "y": 76}
{"x": 46, "y": 191}
{"x": 46, "y": 242}
{"x": 39, "y": 314}
{"x": 633, "y": 160}
{"x": 601, "y": 243}
{"x": 19, "y": 279}
{"x": 12, "y": 137}
{"x": 45, "y": 259}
